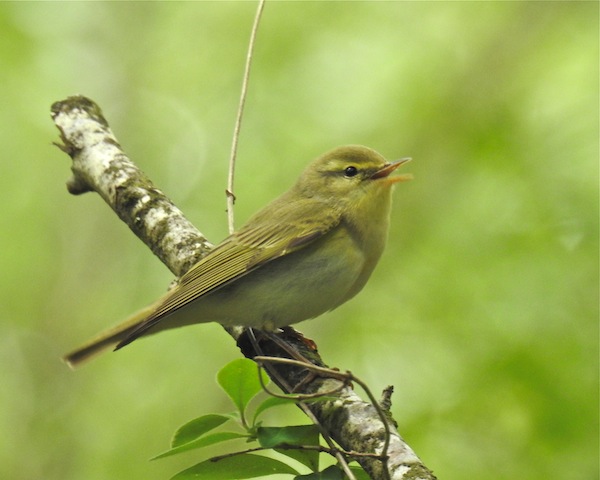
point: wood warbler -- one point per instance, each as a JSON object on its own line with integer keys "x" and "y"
{"x": 305, "y": 253}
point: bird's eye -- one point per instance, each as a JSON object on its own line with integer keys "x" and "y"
{"x": 350, "y": 171}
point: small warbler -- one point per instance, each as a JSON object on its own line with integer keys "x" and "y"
{"x": 305, "y": 253}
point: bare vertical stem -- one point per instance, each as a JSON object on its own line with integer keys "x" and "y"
{"x": 238, "y": 121}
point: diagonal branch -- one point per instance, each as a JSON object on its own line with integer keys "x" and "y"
{"x": 100, "y": 165}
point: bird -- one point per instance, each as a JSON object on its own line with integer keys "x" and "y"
{"x": 308, "y": 251}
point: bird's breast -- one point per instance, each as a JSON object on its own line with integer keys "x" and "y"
{"x": 292, "y": 288}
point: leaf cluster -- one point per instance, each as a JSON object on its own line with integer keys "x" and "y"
{"x": 240, "y": 380}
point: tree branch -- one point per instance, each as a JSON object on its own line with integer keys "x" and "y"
{"x": 100, "y": 165}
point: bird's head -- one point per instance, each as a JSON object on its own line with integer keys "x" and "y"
{"x": 351, "y": 173}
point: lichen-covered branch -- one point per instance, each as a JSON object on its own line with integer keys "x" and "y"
{"x": 100, "y": 165}
{"x": 356, "y": 426}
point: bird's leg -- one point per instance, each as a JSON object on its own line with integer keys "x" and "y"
{"x": 289, "y": 343}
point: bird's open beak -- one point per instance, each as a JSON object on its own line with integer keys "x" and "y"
{"x": 383, "y": 173}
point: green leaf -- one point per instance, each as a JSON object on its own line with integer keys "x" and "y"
{"x": 330, "y": 473}
{"x": 196, "y": 428}
{"x": 272, "y": 437}
{"x": 236, "y": 467}
{"x": 288, "y": 400}
{"x": 204, "y": 441}
{"x": 359, "y": 473}
{"x": 240, "y": 381}
{"x": 270, "y": 403}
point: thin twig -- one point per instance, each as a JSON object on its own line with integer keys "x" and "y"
{"x": 238, "y": 120}
{"x": 384, "y": 420}
{"x": 298, "y": 397}
{"x": 260, "y": 360}
{"x": 348, "y": 377}
{"x": 289, "y": 446}
{"x": 336, "y": 452}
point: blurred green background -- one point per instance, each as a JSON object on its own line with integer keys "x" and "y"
{"x": 484, "y": 310}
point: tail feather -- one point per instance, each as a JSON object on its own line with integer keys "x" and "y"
{"x": 105, "y": 340}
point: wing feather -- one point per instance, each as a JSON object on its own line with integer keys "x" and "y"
{"x": 266, "y": 236}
